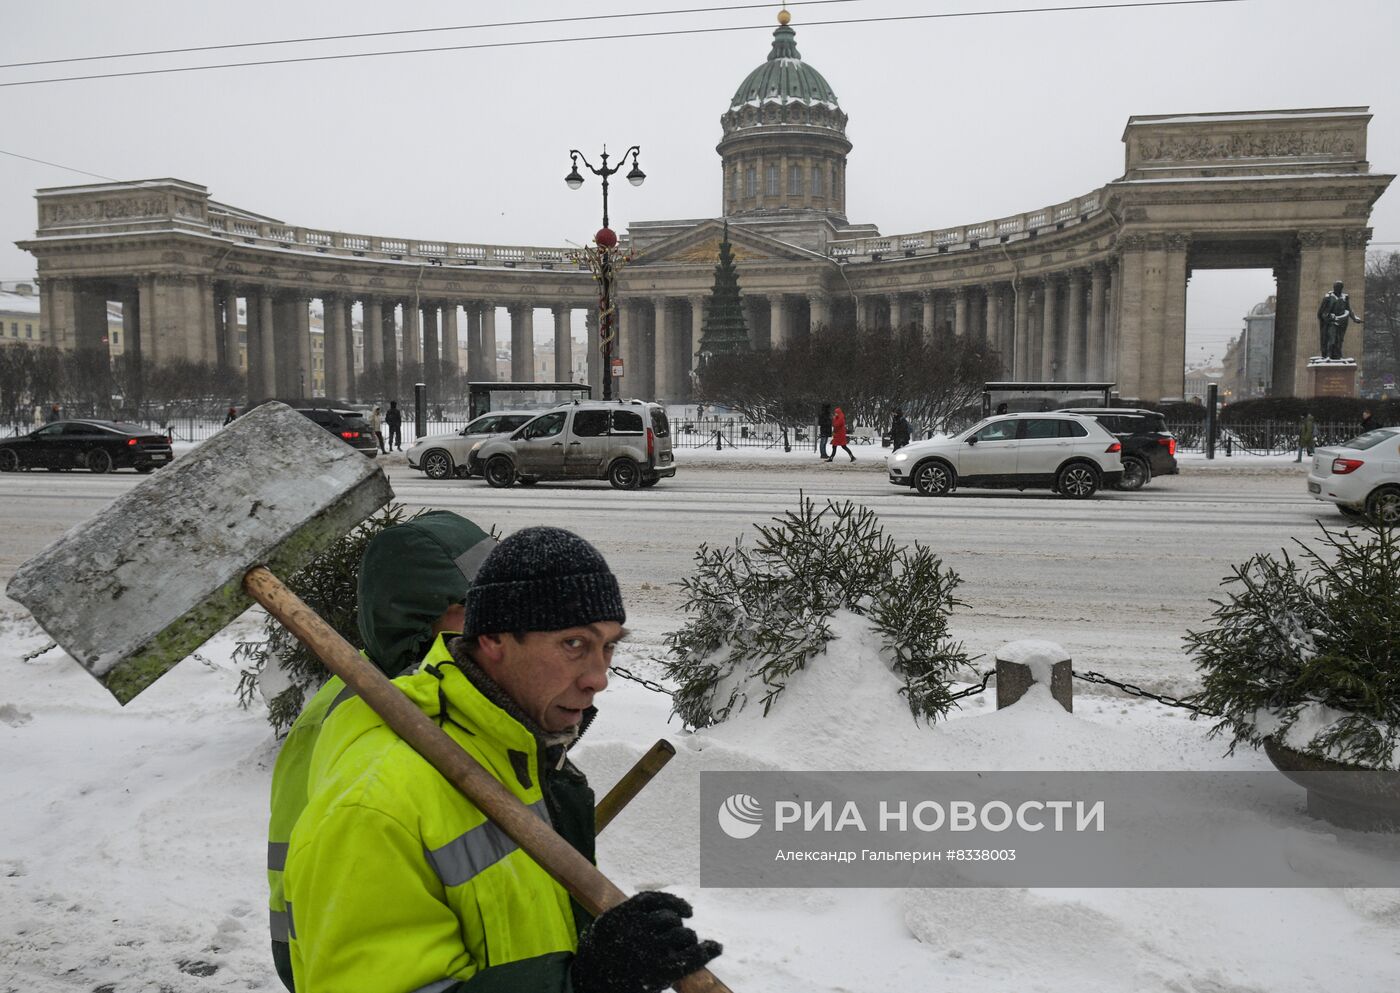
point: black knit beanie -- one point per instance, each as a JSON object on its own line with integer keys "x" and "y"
{"x": 542, "y": 579}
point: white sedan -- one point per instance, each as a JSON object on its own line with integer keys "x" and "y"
{"x": 1361, "y": 476}
{"x": 442, "y": 456}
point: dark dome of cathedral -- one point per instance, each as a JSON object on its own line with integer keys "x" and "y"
{"x": 784, "y": 77}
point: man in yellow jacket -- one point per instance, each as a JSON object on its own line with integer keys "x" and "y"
{"x": 395, "y": 882}
{"x": 412, "y": 579}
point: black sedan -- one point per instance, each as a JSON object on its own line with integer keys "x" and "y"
{"x": 98, "y": 446}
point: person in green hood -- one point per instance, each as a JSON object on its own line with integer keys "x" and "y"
{"x": 396, "y": 882}
{"x": 412, "y": 581}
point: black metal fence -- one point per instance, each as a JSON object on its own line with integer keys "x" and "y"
{"x": 1259, "y": 437}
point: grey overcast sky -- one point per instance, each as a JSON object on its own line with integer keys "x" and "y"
{"x": 954, "y": 120}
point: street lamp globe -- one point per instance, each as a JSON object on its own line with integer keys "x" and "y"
{"x": 636, "y": 177}
{"x": 573, "y": 179}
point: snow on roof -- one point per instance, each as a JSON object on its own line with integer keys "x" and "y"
{"x": 1261, "y": 115}
{"x": 18, "y": 303}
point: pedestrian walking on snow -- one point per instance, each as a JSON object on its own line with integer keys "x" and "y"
{"x": 376, "y": 424}
{"x": 1305, "y": 437}
{"x": 899, "y": 431}
{"x": 824, "y": 428}
{"x": 394, "y": 421}
{"x": 838, "y": 435}
{"x": 1368, "y": 421}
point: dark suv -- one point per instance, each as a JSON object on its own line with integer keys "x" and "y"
{"x": 1149, "y": 448}
{"x": 340, "y": 419}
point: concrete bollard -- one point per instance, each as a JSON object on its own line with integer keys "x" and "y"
{"x": 1021, "y": 663}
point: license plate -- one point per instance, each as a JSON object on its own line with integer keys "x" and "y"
{"x": 1314, "y": 487}
{"x": 665, "y": 456}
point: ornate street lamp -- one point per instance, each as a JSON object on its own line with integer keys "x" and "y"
{"x": 606, "y": 240}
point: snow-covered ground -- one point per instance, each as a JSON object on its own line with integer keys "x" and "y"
{"x": 132, "y": 844}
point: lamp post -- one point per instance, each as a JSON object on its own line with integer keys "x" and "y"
{"x": 606, "y": 240}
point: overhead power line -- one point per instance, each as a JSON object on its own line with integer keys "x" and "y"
{"x": 57, "y": 165}
{"x": 408, "y": 31}
{"x": 624, "y": 36}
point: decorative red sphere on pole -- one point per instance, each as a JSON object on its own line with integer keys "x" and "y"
{"x": 606, "y": 238}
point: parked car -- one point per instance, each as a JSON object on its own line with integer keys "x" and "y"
{"x": 1361, "y": 476}
{"x": 1149, "y": 447}
{"x": 441, "y": 456}
{"x": 340, "y": 419}
{"x": 1071, "y": 454}
{"x": 98, "y": 446}
{"x": 626, "y": 442}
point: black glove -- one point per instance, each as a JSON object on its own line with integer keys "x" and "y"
{"x": 639, "y": 946}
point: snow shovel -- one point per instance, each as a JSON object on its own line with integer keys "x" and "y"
{"x": 162, "y": 569}
{"x": 631, "y": 783}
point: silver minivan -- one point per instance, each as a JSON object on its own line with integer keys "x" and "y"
{"x": 626, "y": 442}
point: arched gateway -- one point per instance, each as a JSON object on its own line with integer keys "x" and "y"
{"x": 1092, "y": 288}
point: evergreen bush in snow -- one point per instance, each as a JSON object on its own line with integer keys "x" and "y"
{"x": 760, "y": 614}
{"x": 329, "y": 585}
{"x": 1307, "y": 651}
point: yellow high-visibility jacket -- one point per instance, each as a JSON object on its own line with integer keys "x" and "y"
{"x": 395, "y": 882}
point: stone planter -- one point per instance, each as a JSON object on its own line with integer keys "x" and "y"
{"x": 1349, "y": 796}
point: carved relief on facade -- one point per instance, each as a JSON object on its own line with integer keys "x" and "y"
{"x": 175, "y": 257}
{"x": 268, "y": 271}
{"x": 340, "y": 279}
{"x": 1252, "y": 145}
{"x": 1310, "y": 239}
{"x": 377, "y": 282}
{"x": 1356, "y": 237}
{"x": 102, "y": 210}
{"x": 233, "y": 267}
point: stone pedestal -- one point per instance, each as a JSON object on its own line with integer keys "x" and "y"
{"x": 1331, "y": 377}
{"x": 1020, "y": 664}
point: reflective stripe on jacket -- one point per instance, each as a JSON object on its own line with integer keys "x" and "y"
{"x": 397, "y": 882}
{"x": 289, "y": 794}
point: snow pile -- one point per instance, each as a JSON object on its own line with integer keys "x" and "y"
{"x": 132, "y": 846}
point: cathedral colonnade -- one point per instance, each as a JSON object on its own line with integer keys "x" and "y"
{"x": 1090, "y": 289}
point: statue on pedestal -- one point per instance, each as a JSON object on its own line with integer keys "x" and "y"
{"x": 1333, "y": 317}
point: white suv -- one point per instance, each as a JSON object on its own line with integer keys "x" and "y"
{"x": 1361, "y": 476}
{"x": 1069, "y": 453}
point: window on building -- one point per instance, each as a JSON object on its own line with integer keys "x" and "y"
{"x": 816, "y": 181}
{"x": 751, "y": 182}
{"x": 794, "y": 180}
{"x": 116, "y": 339}
{"x": 29, "y": 330}
{"x": 14, "y": 329}
{"x": 772, "y": 180}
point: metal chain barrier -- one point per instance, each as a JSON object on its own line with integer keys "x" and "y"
{"x": 975, "y": 689}
{"x": 650, "y": 684}
{"x": 1131, "y": 690}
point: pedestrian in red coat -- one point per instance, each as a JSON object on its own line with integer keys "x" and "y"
{"x": 838, "y": 434}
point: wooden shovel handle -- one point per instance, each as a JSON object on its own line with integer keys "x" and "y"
{"x": 631, "y": 783}
{"x": 561, "y": 860}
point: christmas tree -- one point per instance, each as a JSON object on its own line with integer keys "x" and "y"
{"x": 724, "y": 331}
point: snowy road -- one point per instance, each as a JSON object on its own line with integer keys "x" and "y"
{"x": 1117, "y": 579}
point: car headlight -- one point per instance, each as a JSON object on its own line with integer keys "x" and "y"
{"x": 901, "y": 456}
{"x": 474, "y": 448}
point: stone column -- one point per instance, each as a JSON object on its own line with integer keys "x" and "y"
{"x": 819, "y": 306}
{"x": 451, "y": 345}
{"x": 1171, "y": 370}
{"x": 255, "y": 389}
{"x": 267, "y": 343}
{"x": 697, "y": 328}
{"x": 332, "y": 345}
{"x": 994, "y": 338}
{"x": 374, "y": 332}
{"x": 1285, "y": 325}
{"x": 1020, "y": 351}
{"x": 960, "y": 311}
{"x": 1113, "y": 306}
{"x": 1353, "y": 274}
{"x": 412, "y": 346}
{"x": 1050, "y": 348}
{"x": 1131, "y": 315}
{"x": 629, "y": 336}
{"x": 58, "y": 311}
{"x": 475, "y": 362}
{"x": 666, "y": 360}
{"x": 778, "y": 331}
{"x": 489, "y": 373}
{"x": 868, "y": 306}
{"x": 431, "y": 352}
{"x": 301, "y": 315}
{"x": 228, "y": 300}
{"x": 563, "y": 344}
{"x": 389, "y": 336}
{"x": 1313, "y": 283}
{"x": 1096, "y": 349}
{"x": 592, "y": 350}
{"x": 522, "y": 343}
{"x": 1074, "y": 328}
{"x": 929, "y": 299}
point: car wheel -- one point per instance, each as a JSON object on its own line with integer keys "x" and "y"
{"x": 499, "y": 471}
{"x": 9, "y": 460}
{"x": 98, "y": 461}
{"x": 933, "y": 479}
{"x": 624, "y": 474}
{"x": 1136, "y": 475}
{"x": 1383, "y": 506}
{"x": 649, "y": 481}
{"x": 437, "y": 464}
{"x": 1078, "y": 481}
